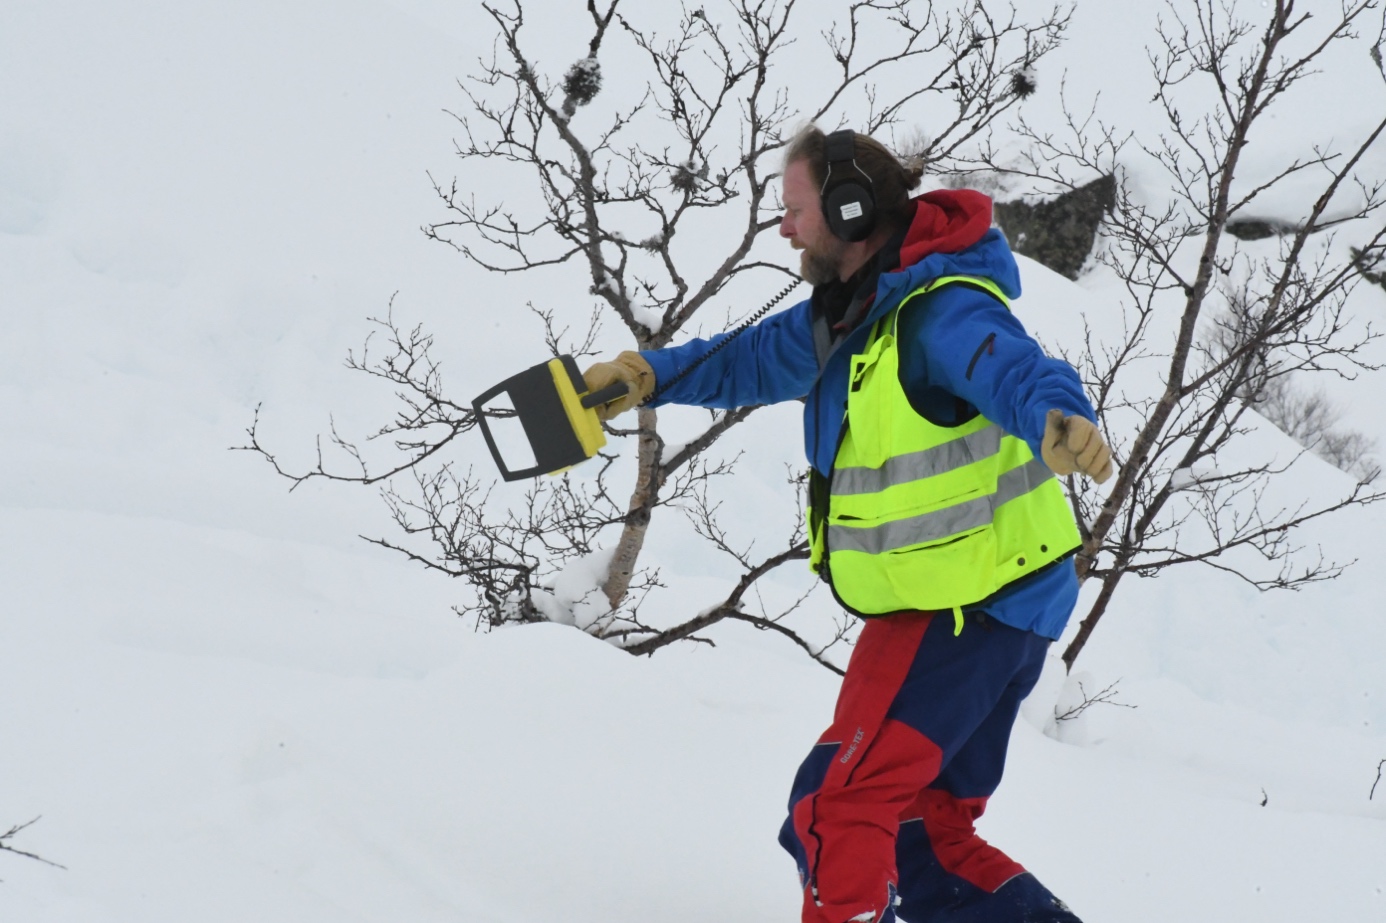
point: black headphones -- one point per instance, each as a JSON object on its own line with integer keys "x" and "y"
{"x": 849, "y": 205}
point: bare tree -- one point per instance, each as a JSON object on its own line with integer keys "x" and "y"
{"x": 1311, "y": 418}
{"x": 1214, "y": 327}
{"x": 626, "y": 194}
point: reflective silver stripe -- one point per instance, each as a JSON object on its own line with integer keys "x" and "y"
{"x": 940, "y": 524}
{"x": 914, "y": 466}
{"x": 926, "y": 527}
{"x": 1020, "y": 481}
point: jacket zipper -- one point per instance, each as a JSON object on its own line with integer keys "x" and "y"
{"x": 985, "y": 347}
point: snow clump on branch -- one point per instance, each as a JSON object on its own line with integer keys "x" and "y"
{"x": 687, "y": 176}
{"x": 1024, "y": 82}
{"x": 581, "y": 84}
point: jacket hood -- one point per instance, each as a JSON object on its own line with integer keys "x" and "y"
{"x": 950, "y": 235}
{"x": 945, "y": 221}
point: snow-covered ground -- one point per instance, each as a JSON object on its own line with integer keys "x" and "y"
{"x": 227, "y": 707}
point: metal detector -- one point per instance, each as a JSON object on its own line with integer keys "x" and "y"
{"x": 557, "y": 413}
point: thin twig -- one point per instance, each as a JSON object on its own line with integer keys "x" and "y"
{"x": 1105, "y": 697}
{"x": 9, "y": 834}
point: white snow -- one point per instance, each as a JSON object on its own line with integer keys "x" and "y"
{"x": 226, "y": 707}
{"x": 650, "y": 318}
{"x": 1184, "y": 478}
{"x": 574, "y": 593}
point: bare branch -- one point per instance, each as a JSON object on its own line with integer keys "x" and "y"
{"x": 1105, "y": 697}
{"x": 18, "y": 828}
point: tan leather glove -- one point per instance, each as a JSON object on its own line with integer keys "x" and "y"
{"x": 1074, "y": 444}
{"x": 629, "y": 367}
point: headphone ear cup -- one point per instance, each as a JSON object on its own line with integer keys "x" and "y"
{"x": 850, "y": 211}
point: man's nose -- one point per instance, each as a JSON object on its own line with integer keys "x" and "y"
{"x": 786, "y": 226}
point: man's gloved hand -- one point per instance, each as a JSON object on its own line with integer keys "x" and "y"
{"x": 629, "y": 367}
{"x": 1074, "y": 444}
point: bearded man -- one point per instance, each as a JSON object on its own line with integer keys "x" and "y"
{"x": 934, "y": 427}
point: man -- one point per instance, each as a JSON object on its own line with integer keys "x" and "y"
{"x": 934, "y": 425}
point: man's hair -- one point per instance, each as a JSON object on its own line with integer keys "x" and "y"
{"x": 891, "y": 180}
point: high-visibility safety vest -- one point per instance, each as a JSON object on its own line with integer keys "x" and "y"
{"x": 923, "y": 517}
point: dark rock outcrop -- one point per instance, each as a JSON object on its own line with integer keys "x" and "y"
{"x": 1371, "y": 264}
{"x": 1258, "y": 228}
{"x": 1059, "y": 233}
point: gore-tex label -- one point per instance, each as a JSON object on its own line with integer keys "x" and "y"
{"x": 851, "y": 210}
{"x": 856, "y": 742}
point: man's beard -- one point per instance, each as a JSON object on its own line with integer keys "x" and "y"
{"x": 819, "y": 267}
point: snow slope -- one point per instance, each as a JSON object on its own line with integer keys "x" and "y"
{"x": 226, "y": 707}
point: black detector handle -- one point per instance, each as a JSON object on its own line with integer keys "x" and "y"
{"x": 479, "y": 414}
{"x": 606, "y": 395}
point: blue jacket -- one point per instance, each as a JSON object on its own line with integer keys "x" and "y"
{"x": 955, "y": 343}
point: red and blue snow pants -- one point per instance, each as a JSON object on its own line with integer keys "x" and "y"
{"x": 881, "y": 814}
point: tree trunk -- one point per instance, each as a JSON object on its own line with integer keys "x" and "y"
{"x": 638, "y": 518}
{"x": 1099, "y": 607}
